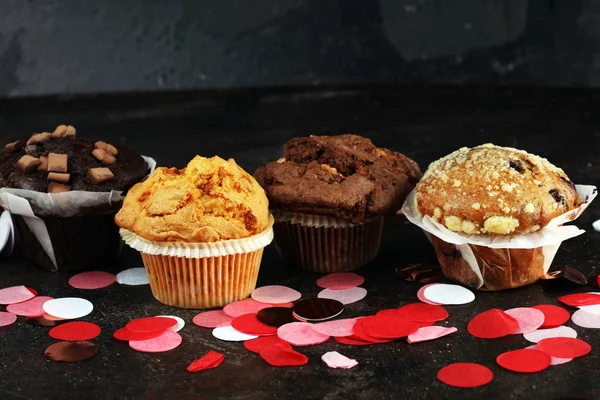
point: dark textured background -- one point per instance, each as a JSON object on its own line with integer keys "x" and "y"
{"x": 70, "y": 46}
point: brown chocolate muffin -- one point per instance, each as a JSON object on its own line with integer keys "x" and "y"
{"x": 343, "y": 176}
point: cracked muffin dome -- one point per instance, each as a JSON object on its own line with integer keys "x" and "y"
{"x": 343, "y": 176}
{"x": 208, "y": 201}
{"x": 494, "y": 190}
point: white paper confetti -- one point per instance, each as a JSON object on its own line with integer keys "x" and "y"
{"x": 443, "y": 293}
{"x": 344, "y": 296}
{"x": 529, "y": 319}
{"x": 68, "y": 307}
{"x": 559, "y": 331}
{"x": 177, "y": 327}
{"x": 596, "y": 225}
{"x": 333, "y": 359}
{"x": 586, "y": 320}
{"x": 133, "y": 277}
{"x": 230, "y": 334}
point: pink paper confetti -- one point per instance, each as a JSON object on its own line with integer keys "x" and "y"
{"x": 585, "y": 319}
{"x": 275, "y": 294}
{"x": 15, "y": 294}
{"x": 300, "y": 334}
{"x": 212, "y": 319}
{"x": 92, "y": 280}
{"x": 344, "y": 296}
{"x": 339, "y": 327}
{"x": 30, "y": 308}
{"x": 529, "y": 319}
{"x": 553, "y": 360}
{"x": 165, "y": 342}
{"x": 340, "y": 281}
{"x": 422, "y": 297}
{"x": 7, "y": 318}
{"x": 426, "y": 333}
{"x": 246, "y": 306}
{"x": 333, "y": 359}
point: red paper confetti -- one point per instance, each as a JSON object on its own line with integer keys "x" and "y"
{"x": 420, "y": 312}
{"x": 352, "y": 341}
{"x": 249, "y": 324}
{"x": 150, "y": 324}
{"x": 127, "y": 335}
{"x": 256, "y": 345}
{"x": 7, "y": 318}
{"x": 15, "y": 294}
{"x": 280, "y": 356}
{"x": 168, "y": 340}
{"x": 340, "y": 281}
{"x": 212, "y": 319}
{"x": 358, "y": 332}
{"x": 35, "y": 292}
{"x": 492, "y": 324}
{"x": 246, "y": 306}
{"x": 563, "y": 347}
{"x": 465, "y": 375}
{"x": 92, "y": 280}
{"x": 75, "y": 331}
{"x": 389, "y": 327}
{"x": 210, "y": 360}
{"x": 553, "y": 315}
{"x": 30, "y": 308}
{"x": 524, "y": 360}
{"x": 580, "y": 299}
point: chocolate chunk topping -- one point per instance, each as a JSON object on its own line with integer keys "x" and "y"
{"x": 57, "y": 162}
{"x": 556, "y": 195}
{"x": 54, "y": 187}
{"x": 516, "y": 165}
{"x": 99, "y": 175}
{"x": 14, "y": 146}
{"x": 58, "y": 177}
{"x": 28, "y": 164}
{"x": 39, "y": 138}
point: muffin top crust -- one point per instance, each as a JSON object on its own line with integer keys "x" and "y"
{"x": 494, "y": 190}
{"x": 343, "y": 176}
{"x": 208, "y": 201}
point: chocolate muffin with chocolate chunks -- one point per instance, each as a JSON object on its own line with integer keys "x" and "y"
{"x": 83, "y": 173}
{"x": 329, "y": 195}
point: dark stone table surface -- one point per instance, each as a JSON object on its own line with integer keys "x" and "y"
{"x": 251, "y": 126}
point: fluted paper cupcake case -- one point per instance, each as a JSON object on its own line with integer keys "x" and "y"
{"x": 324, "y": 244}
{"x": 201, "y": 275}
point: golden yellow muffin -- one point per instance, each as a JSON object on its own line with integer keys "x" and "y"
{"x": 494, "y": 190}
{"x": 210, "y": 200}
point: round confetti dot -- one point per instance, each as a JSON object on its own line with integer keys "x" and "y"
{"x": 427, "y": 333}
{"x": 583, "y": 319}
{"x": 300, "y": 334}
{"x": 559, "y": 331}
{"x": 246, "y": 306}
{"x": 7, "y": 318}
{"x": 351, "y": 341}
{"x": 30, "y": 308}
{"x": 256, "y": 345}
{"x": 492, "y": 324}
{"x": 580, "y": 299}
{"x": 316, "y": 309}
{"x": 127, "y": 335}
{"x": 71, "y": 351}
{"x": 340, "y": 281}
{"x": 596, "y": 225}
{"x": 339, "y": 327}
{"x": 275, "y": 316}
{"x": 389, "y": 327}
{"x": 421, "y": 296}
{"x": 75, "y": 331}
{"x": 524, "y": 360}
{"x": 358, "y": 332}
{"x": 443, "y": 293}
{"x": 168, "y": 340}
{"x": 230, "y": 334}
{"x": 344, "y": 296}
{"x": 133, "y": 277}
{"x": 275, "y": 294}
{"x": 92, "y": 280}
{"x": 553, "y": 315}
{"x": 212, "y": 319}
{"x": 15, "y": 294}
{"x": 465, "y": 375}
{"x": 280, "y": 356}
{"x": 553, "y": 360}
{"x": 68, "y": 307}
{"x": 178, "y": 326}
{"x": 151, "y": 324}
{"x": 529, "y": 318}
{"x": 250, "y": 325}
{"x": 595, "y": 309}
{"x": 564, "y": 347}
{"x": 420, "y": 312}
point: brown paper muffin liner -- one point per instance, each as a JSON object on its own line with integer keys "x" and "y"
{"x": 327, "y": 246}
